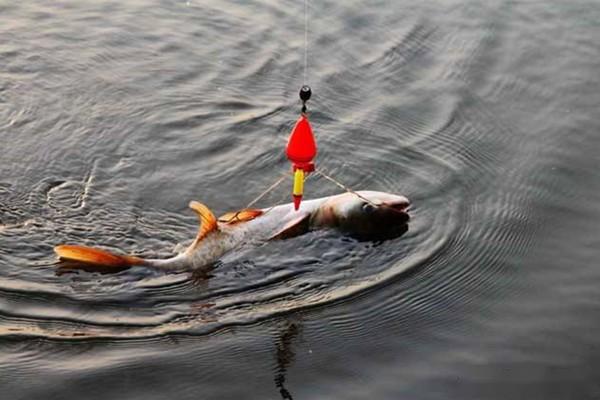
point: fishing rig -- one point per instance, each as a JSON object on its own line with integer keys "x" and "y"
{"x": 301, "y": 148}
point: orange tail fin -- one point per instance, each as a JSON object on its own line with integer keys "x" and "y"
{"x": 95, "y": 257}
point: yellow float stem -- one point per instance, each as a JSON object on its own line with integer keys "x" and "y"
{"x": 298, "y": 182}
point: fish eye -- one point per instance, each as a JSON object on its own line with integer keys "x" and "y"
{"x": 368, "y": 207}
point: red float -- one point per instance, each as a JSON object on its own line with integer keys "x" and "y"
{"x": 301, "y": 150}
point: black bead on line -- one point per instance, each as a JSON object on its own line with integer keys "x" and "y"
{"x": 305, "y": 93}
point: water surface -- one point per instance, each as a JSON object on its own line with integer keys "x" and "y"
{"x": 114, "y": 115}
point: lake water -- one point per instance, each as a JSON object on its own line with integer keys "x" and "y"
{"x": 114, "y": 115}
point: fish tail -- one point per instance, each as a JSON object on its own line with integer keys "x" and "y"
{"x": 92, "y": 257}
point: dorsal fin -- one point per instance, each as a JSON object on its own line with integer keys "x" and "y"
{"x": 234, "y": 217}
{"x": 208, "y": 222}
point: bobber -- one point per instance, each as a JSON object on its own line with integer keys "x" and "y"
{"x": 301, "y": 149}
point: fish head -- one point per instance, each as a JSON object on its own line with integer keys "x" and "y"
{"x": 367, "y": 214}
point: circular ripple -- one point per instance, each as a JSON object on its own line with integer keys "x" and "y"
{"x": 118, "y": 168}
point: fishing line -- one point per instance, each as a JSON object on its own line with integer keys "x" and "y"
{"x": 268, "y": 190}
{"x": 349, "y": 190}
{"x": 341, "y": 185}
{"x": 305, "y": 42}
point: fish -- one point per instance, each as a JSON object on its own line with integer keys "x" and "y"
{"x": 362, "y": 214}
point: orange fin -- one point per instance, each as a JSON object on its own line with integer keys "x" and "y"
{"x": 208, "y": 222}
{"x": 296, "y": 227}
{"x": 244, "y": 215}
{"x": 97, "y": 257}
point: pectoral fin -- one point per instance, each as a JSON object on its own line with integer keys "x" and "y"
{"x": 235, "y": 217}
{"x": 295, "y": 227}
{"x": 208, "y": 222}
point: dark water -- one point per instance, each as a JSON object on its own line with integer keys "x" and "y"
{"x": 113, "y": 115}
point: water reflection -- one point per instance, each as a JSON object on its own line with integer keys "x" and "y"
{"x": 67, "y": 267}
{"x": 285, "y": 356}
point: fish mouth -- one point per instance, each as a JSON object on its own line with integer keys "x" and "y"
{"x": 399, "y": 207}
{"x": 388, "y": 221}
{"x": 382, "y": 221}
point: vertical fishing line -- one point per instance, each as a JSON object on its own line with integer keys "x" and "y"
{"x": 305, "y": 42}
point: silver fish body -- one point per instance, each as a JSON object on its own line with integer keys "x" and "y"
{"x": 362, "y": 213}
